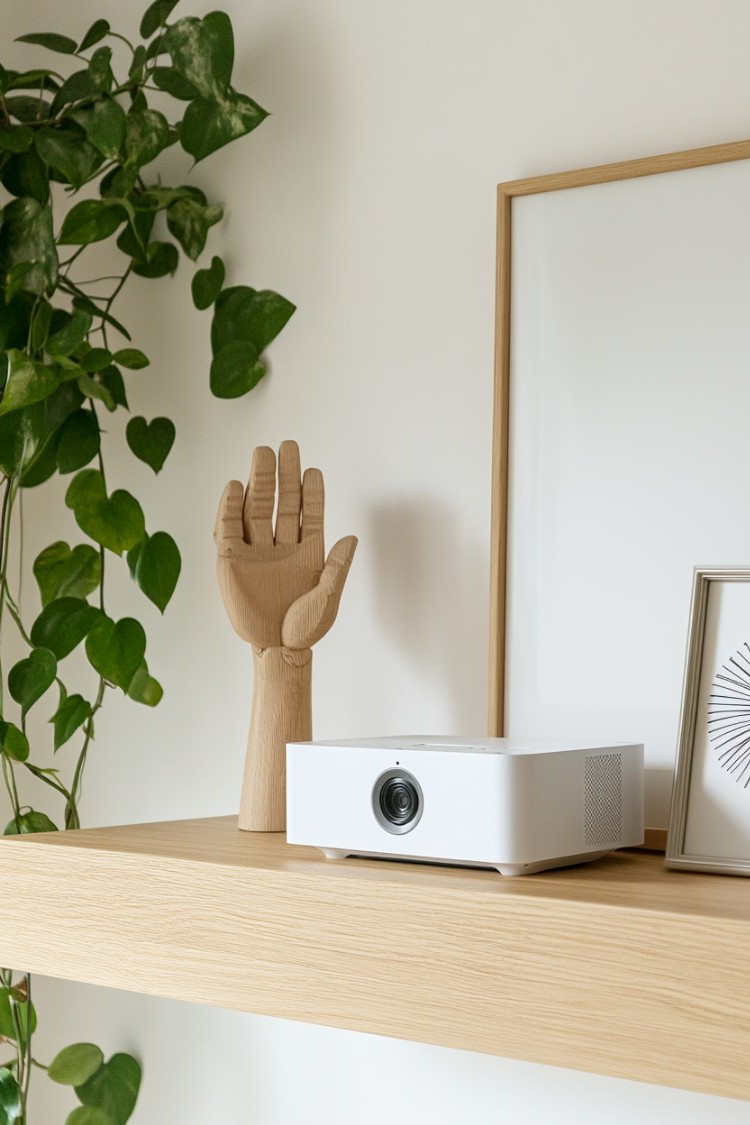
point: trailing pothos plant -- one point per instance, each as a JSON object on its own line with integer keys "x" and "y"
{"x": 65, "y": 363}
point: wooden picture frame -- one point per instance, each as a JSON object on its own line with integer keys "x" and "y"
{"x": 506, "y": 194}
{"x": 709, "y": 826}
{"x": 707, "y": 167}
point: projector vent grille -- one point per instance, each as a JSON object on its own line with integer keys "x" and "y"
{"x": 603, "y": 798}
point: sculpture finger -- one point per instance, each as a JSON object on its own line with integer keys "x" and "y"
{"x": 313, "y": 503}
{"x": 228, "y": 530}
{"x": 260, "y": 497}
{"x": 312, "y": 615}
{"x": 290, "y": 494}
{"x": 337, "y": 565}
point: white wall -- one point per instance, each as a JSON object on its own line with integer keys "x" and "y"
{"x": 368, "y": 199}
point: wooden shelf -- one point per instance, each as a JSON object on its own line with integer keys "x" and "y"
{"x": 618, "y": 967}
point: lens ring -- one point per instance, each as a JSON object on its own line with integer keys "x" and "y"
{"x": 397, "y": 801}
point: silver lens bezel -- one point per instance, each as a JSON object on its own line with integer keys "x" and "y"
{"x": 381, "y": 782}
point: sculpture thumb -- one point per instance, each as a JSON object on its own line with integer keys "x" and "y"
{"x": 312, "y": 615}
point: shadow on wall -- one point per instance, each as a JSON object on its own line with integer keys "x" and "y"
{"x": 286, "y": 60}
{"x": 431, "y": 598}
{"x": 658, "y": 797}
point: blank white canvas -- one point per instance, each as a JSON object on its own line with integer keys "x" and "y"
{"x": 629, "y": 428}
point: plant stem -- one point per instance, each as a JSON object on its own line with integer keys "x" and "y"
{"x": 23, "y": 1041}
{"x": 5, "y": 518}
{"x": 102, "y": 552}
{"x": 6, "y": 979}
{"x": 71, "y": 811}
{"x": 10, "y": 785}
{"x": 14, "y": 613}
{"x": 95, "y": 280}
{"x": 4, "y": 528}
{"x": 116, "y": 35}
{"x": 69, "y": 261}
{"x": 27, "y": 1045}
{"x": 111, "y": 299}
{"x": 52, "y": 782}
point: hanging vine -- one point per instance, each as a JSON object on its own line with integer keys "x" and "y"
{"x": 93, "y": 137}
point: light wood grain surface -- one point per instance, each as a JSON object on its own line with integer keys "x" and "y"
{"x": 619, "y": 967}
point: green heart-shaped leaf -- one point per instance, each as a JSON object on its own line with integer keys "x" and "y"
{"x": 116, "y": 649}
{"x": 100, "y": 69}
{"x": 75, "y": 88}
{"x": 70, "y": 715}
{"x": 242, "y": 313}
{"x": 207, "y": 284}
{"x": 13, "y": 742}
{"x": 79, "y": 441}
{"x": 16, "y": 320}
{"x": 91, "y": 220}
{"x": 10, "y": 1097}
{"x": 208, "y": 125}
{"x": 96, "y": 359}
{"x": 28, "y": 824}
{"x": 40, "y": 78}
{"x": 202, "y": 51}
{"x": 112, "y": 380}
{"x": 155, "y": 15}
{"x": 24, "y": 173}
{"x": 43, "y": 467}
{"x": 172, "y": 82}
{"x": 27, "y": 436}
{"x": 16, "y": 138}
{"x": 93, "y": 389}
{"x": 68, "y": 153}
{"x": 66, "y": 339}
{"x": 7, "y": 1026}
{"x": 75, "y": 1064}
{"x": 132, "y": 358}
{"x": 104, "y": 123}
{"x": 63, "y": 624}
{"x": 236, "y": 369}
{"x": 150, "y": 441}
{"x": 28, "y": 382}
{"x": 113, "y": 1089}
{"x": 89, "y": 1115}
{"x": 144, "y": 688}
{"x": 40, "y": 323}
{"x": 161, "y": 258}
{"x": 146, "y": 134}
{"x": 27, "y": 235}
{"x": 155, "y": 565}
{"x": 51, "y": 40}
{"x": 116, "y": 522}
{"x": 60, "y": 571}
{"x": 29, "y": 679}
{"x": 95, "y": 33}
{"x": 189, "y": 221}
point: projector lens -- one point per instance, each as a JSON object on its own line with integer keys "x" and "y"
{"x": 397, "y": 801}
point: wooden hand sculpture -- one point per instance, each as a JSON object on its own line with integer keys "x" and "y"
{"x": 282, "y": 595}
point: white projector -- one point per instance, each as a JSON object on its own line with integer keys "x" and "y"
{"x": 519, "y": 806}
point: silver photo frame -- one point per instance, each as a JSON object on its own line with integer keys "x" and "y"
{"x": 709, "y": 827}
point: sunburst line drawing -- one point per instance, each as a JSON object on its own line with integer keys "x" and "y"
{"x": 718, "y": 732}
{"x": 728, "y": 715}
{"x": 730, "y": 755}
{"x": 743, "y": 687}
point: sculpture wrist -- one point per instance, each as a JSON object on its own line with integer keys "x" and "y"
{"x": 281, "y": 712}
